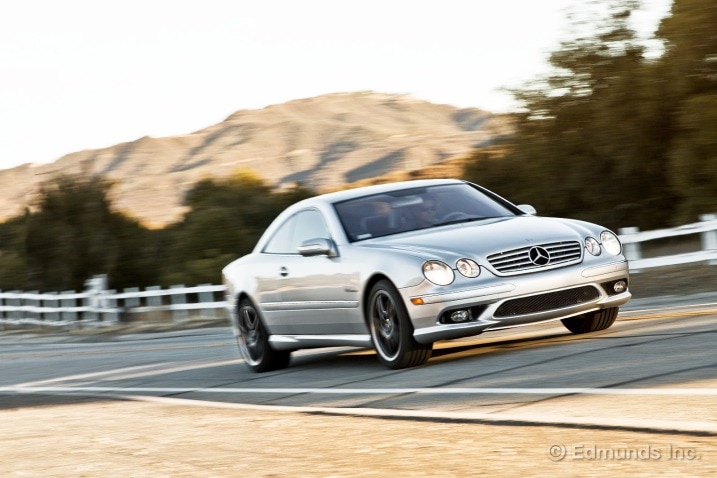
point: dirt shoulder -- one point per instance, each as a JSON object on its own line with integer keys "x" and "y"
{"x": 127, "y": 438}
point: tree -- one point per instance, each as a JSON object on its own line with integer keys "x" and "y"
{"x": 693, "y": 158}
{"x": 13, "y": 261}
{"x": 587, "y": 143}
{"x": 690, "y": 67}
{"x": 74, "y": 234}
{"x": 225, "y": 220}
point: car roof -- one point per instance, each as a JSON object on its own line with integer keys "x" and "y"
{"x": 338, "y": 196}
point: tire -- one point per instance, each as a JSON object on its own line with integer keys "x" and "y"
{"x": 391, "y": 329}
{"x": 592, "y": 322}
{"x": 253, "y": 341}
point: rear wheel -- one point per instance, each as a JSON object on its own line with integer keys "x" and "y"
{"x": 391, "y": 329}
{"x": 253, "y": 341}
{"x": 592, "y": 322}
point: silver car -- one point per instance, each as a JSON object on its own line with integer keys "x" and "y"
{"x": 399, "y": 266}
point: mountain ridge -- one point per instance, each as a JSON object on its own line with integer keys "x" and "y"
{"x": 324, "y": 142}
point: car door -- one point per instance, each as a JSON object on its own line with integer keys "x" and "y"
{"x": 318, "y": 294}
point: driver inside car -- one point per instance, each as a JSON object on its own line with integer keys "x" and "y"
{"x": 425, "y": 213}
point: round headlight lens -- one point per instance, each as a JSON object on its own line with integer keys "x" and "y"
{"x": 592, "y": 246}
{"x": 438, "y": 272}
{"x": 468, "y": 267}
{"x": 610, "y": 242}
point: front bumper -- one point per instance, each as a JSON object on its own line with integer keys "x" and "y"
{"x": 557, "y": 294}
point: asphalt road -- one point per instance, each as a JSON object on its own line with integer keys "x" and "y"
{"x": 655, "y": 369}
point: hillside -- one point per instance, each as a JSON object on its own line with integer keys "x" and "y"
{"x": 324, "y": 142}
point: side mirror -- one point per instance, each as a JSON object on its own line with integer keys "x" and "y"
{"x": 319, "y": 246}
{"x": 528, "y": 209}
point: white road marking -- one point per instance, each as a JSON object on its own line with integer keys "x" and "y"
{"x": 126, "y": 373}
{"x": 89, "y": 375}
{"x": 374, "y": 391}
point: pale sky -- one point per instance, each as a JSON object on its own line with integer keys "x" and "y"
{"x": 85, "y": 74}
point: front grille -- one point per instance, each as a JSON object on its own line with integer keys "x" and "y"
{"x": 545, "y": 302}
{"x": 517, "y": 261}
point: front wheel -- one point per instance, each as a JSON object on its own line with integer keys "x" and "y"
{"x": 391, "y": 329}
{"x": 592, "y": 322}
{"x": 253, "y": 341}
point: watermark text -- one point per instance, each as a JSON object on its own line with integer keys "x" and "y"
{"x": 594, "y": 452}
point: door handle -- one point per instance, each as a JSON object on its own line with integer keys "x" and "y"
{"x": 283, "y": 272}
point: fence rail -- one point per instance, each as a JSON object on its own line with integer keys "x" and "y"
{"x": 96, "y": 306}
{"x": 633, "y": 239}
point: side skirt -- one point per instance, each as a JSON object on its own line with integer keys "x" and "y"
{"x": 295, "y": 342}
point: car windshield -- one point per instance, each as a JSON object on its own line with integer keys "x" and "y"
{"x": 418, "y": 208}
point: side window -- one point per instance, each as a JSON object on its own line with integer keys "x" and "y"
{"x": 307, "y": 224}
{"x": 280, "y": 242}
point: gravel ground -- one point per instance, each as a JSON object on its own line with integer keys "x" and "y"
{"x": 139, "y": 439}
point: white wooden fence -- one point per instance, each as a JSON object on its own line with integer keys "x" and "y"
{"x": 97, "y": 306}
{"x": 633, "y": 240}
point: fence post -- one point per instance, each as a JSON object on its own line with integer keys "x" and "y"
{"x": 50, "y": 300}
{"x": 25, "y": 304}
{"x": 110, "y": 315}
{"x": 154, "y": 300}
{"x": 179, "y": 315}
{"x": 88, "y": 315}
{"x": 94, "y": 288}
{"x": 16, "y": 303}
{"x": 709, "y": 238}
{"x": 130, "y": 302}
{"x": 632, "y": 249}
{"x": 69, "y": 315}
{"x": 207, "y": 297}
{"x": 37, "y": 304}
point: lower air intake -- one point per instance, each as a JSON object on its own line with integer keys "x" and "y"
{"x": 545, "y": 302}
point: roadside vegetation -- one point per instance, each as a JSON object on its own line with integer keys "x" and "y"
{"x": 72, "y": 233}
{"x": 616, "y": 135}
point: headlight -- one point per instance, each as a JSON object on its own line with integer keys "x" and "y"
{"x": 610, "y": 242}
{"x": 468, "y": 267}
{"x": 592, "y": 246}
{"x": 438, "y": 272}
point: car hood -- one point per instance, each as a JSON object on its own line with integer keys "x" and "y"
{"x": 481, "y": 238}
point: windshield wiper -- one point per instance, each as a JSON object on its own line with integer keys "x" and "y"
{"x": 466, "y": 219}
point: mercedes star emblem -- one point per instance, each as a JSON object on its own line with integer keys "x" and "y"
{"x": 539, "y": 256}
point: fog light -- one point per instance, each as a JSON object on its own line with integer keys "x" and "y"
{"x": 619, "y": 286}
{"x": 461, "y": 315}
